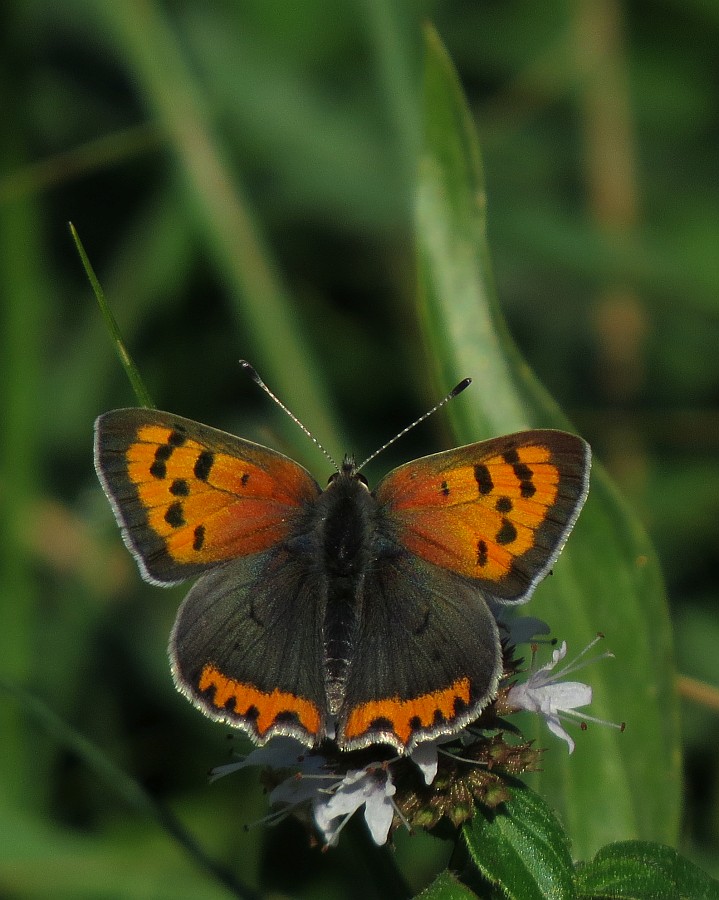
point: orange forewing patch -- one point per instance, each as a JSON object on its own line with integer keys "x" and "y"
{"x": 407, "y": 716}
{"x": 449, "y": 517}
{"x": 269, "y": 706}
{"x": 240, "y": 507}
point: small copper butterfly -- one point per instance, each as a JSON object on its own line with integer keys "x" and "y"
{"x": 356, "y": 614}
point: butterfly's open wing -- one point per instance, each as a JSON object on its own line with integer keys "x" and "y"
{"x": 498, "y": 511}
{"x": 247, "y": 649}
{"x": 427, "y": 657}
{"x": 187, "y": 496}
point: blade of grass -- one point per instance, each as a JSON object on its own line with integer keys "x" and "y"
{"x": 150, "y": 264}
{"x": 262, "y": 306}
{"x": 123, "y": 354}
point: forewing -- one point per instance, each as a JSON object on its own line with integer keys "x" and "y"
{"x": 427, "y": 657}
{"x": 498, "y": 511}
{"x": 246, "y": 648}
{"x": 187, "y": 496}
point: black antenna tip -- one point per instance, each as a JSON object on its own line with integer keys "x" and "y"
{"x": 465, "y": 383}
{"x": 251, "y": 370}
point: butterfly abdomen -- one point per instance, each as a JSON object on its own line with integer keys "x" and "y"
{"x": 345, "y": 511}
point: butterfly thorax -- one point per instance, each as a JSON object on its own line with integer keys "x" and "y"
{"x": 345, "y": 514}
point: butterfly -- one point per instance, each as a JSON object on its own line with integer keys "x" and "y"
{"x": 359, "y": 615}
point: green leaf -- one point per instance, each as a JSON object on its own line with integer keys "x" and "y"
{"x": 522, "y": 848}
{"x": 446, "y": 887}
{"x": 644, "y": 871}
{"x": 616, "y": 786}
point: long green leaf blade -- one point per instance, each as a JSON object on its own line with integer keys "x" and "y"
{"x": 616, "y": 785}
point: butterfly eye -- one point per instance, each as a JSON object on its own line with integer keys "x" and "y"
{"x": 332, "y": 477}
{"x": 361, "y": 479}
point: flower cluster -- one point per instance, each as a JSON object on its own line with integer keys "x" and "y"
{"x": 439, "y": 780}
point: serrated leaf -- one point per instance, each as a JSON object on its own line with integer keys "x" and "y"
{"x": 644, "y": 871}
{"x": 521, "y": 848}
{"x": 615, "y": 785}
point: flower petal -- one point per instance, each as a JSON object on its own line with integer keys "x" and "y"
{"x": 379, "y": 812}
{"x": 555, "y": 726}
{"x": 295, "y": 790}
{"x": 424, "y": 756}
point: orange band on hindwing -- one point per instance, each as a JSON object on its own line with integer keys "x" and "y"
{"x": 263, "y": 709}
{"x": 405, "y": 717}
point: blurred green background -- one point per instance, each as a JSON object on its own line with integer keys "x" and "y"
{"x": 241, "y": 175}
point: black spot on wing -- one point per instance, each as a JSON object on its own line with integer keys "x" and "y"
{"x": 175, "y": 516}
{"x": 507, "y": 534}
{"x": 198, "y": 539}
{"x": 204, "y": 464}
{"x": 158, "y": 469}
{"x": 522, "y": 473}
{"x": 459, "y": 705}
{"x": 483, "y": 479}
{"x": 179, "y": 488}
{"x": 527, "y": 488}
{"x": 482, "y": 555}
{"x": 381, "y": 724}
{"x": 287, "y": 717}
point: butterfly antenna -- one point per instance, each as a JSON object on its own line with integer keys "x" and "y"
{"x": 252, "y": 372}
{"x": 465, "y": 383}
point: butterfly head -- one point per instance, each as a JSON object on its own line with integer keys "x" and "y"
{"x": 348, "y": 471}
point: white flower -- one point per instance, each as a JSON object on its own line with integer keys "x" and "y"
{"x": 332, "y": 797}
{"x": 279, "y": 753}
{"x": 370, "y": 787}
{"x": 553, "y": 699}
{"x": 299, "y": 788}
